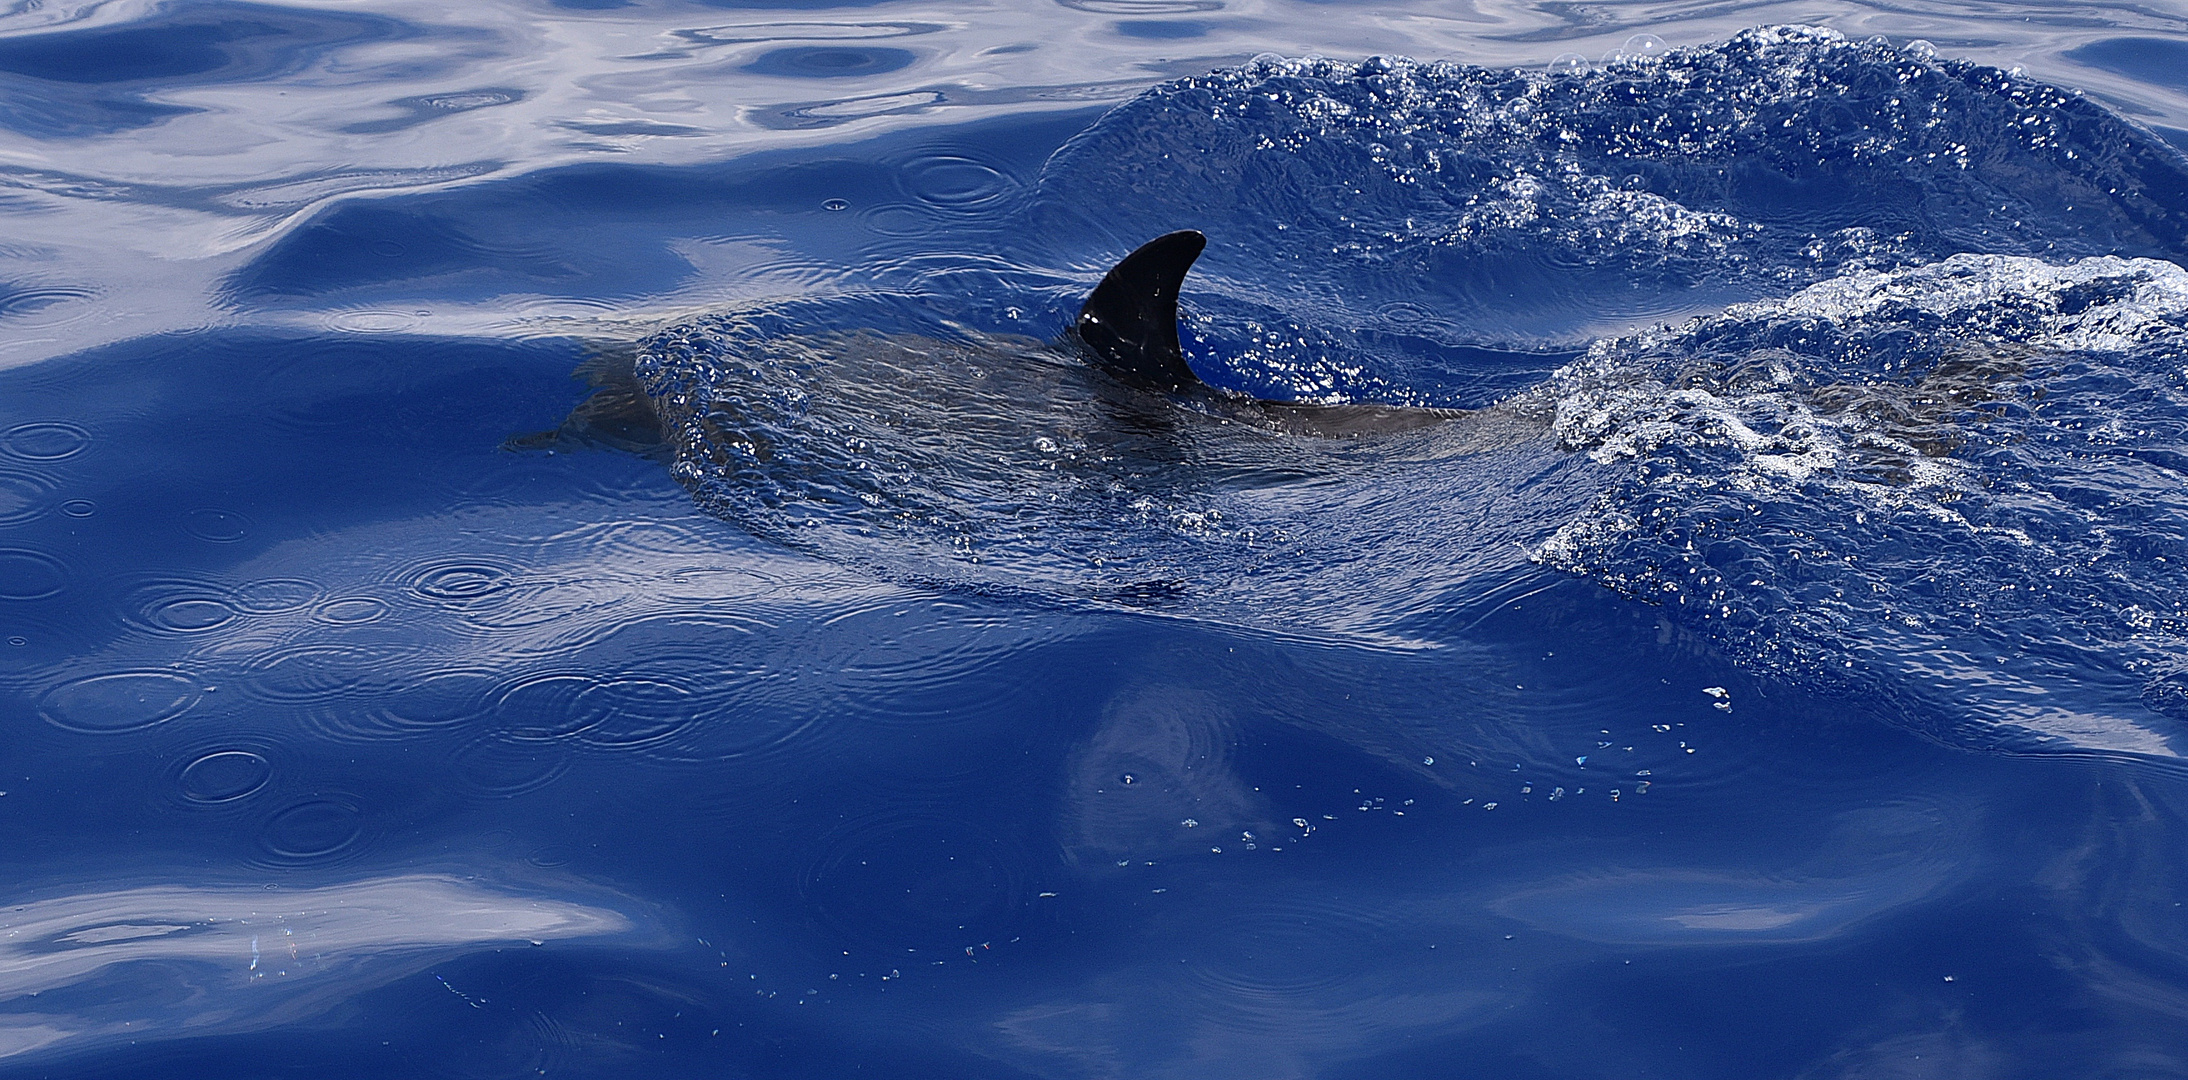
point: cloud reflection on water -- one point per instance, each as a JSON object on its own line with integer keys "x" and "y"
{"x": 174, "y": 959}
{"x": 135, "y": 175}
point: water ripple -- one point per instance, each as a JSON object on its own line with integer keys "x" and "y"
{"x": 272, "y": 596}
{"x": 179, "y": 606}
{"x": 30, "y": 575}
{"x": 224, "y": 776}
{"x": 315, "y": 832}
{"x": 442, "y": 698}
{"x": 900, "y": 220}
{"x": 118, "y": 701}
{"x": 955, "y": 181}
{"x": 546, "y": 706}
{"x": 371, "y": 321}
{"x": 48, "y": 440}
{"x": 215, "y": 525}
{"x": 46, "y": 307}
{"x": 319, "y": 672}
{"x": 461, "y": 581}
{"x": 350, "y": 610}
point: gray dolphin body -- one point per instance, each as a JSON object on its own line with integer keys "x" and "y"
{"x": 1127, "y": 329}
{"x": 1088, "y": 465}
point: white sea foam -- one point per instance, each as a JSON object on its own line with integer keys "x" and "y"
{"x": 1951, "y": 483}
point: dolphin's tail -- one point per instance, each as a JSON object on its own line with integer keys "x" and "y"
{"x": 1130, "y": 323}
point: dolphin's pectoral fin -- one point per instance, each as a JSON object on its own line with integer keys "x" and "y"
{"x": 618, "y": 415}
{"x": 1130, "y": 323}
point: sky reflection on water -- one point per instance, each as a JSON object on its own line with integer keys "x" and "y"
{"x": 149, "y": 151}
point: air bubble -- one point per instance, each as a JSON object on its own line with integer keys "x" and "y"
{"x": 1571, "y": 63}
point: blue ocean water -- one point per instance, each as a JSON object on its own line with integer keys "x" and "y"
{"x": 561, "y": 540}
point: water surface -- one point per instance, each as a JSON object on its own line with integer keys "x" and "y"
{"x": 1774, "y": 672}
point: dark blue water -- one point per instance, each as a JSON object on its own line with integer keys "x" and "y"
{"x": 566, "y": 543}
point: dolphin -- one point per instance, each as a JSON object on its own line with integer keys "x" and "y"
{"x": 1127, "y": 329}
{"x": 1092, "y": 464}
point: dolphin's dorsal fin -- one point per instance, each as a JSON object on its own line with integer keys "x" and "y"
{"x": 1131, "y": 320}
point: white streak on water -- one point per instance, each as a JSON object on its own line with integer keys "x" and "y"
{"x": 343, "y": 939}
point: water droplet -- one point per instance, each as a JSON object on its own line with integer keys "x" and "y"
{"x": 835, "y": 204}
